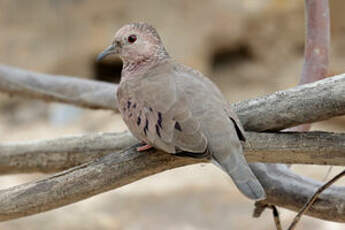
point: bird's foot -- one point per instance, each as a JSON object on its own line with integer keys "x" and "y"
{"x": 143, "y": 148}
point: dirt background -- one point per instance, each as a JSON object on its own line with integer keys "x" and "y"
{"x": 248, "y": 48}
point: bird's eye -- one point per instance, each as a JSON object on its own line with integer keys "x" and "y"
{"x": 132, "y": 38}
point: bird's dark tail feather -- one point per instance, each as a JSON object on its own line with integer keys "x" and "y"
{"x": 243, "y": 177}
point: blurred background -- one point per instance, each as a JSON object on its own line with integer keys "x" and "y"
{"x": 248, "y": 48}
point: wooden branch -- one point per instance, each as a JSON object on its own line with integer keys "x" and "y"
{"x": 322, "y": 148}
{"x": 276, "y": 218}
{"x": 316, "y": 58}
{"x": 307, "y": 103}
{"x": 302, "y": 104}
{"x": 76, "y": 91}
{"x": 317, "y": 41}
{"x": 59, "y": 154}
{"x": 316, "y": 46}
{"x": 280, "y": 110}
{"x": 311, "y": 201}
{"x": 286, "y": 189}
{"x": 120, "y": 168}
{"x": 100, "y": 175}
{"x": 315, "y": 62}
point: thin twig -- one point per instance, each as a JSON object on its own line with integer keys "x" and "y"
{"x": 312, "y": 200}
{"x": 327, "y": 174}
{"x": 276, "y": 217}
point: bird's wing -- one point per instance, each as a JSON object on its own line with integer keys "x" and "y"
{"x": 234, "y": 118}
{"x": 222, "y": 128}
{"x": 171, "y": 125}
{"x": 197, "y": 81}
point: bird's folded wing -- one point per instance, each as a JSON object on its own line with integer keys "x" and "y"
{"x": 172, "y": 126}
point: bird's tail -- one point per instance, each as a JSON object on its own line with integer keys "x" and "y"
{"x": 235, "y": 165}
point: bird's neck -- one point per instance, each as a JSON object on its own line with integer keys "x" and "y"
{"x": 133, "y": 68}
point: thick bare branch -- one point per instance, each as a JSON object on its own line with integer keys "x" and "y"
{"x": 62, "y": 153}
{"x": 283, "y": 187}
{"x": 321, "y": 148}
{"x": 316, "y": 53}
{"x": 307, "y": 103}
{"x": 109, "y": 172}
{"x": 312, "y": 199}
{"x": 286, "y": 189}
{"x": 119, "y": 168}
{"x": 76, "y": 91}
{"x": 302, "y": 104}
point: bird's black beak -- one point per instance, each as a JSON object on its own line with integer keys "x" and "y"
{"x": 108, "y": 51}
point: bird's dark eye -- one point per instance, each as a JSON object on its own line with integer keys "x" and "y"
{"x": 132, "y": 38}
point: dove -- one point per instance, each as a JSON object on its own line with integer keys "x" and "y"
{"x": 175, "y": 108}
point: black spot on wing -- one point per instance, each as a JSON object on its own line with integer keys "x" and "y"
{"x": 128, "y": 104}
{"x": 138, "y": 121}
{"x": 160, "y": 119}
{"x": 135, "y": 105}
{"x": 157, "y": 131}
{"x": 146, "y": 128}
{"x": 238, "y": 131}
{"x": 178, "y": 126}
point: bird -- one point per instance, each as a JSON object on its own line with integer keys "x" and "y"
{"x": 174, "y": 108}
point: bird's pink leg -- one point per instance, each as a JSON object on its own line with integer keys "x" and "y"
{"x": 143, "y": 148}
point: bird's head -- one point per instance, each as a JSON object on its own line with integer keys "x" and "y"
{"x": 136, "y": 42}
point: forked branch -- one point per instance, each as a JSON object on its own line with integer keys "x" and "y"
{"x": 120, "y": 168}
{"x": 308, "y": 103}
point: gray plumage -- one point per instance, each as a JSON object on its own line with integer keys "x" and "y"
{"x": 175, "y": 108}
